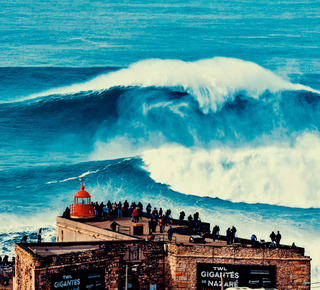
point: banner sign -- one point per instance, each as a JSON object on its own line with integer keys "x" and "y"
{"x": 79, "y": 280}
{"x": 253, "y": 276}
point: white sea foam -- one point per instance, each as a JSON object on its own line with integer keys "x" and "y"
{"x": 14, "y": 226}
{"x": 275, "y": 174}
{"x": 121, "y": 147}
{"x": 211, "y": 81}
{"x": 9, "y": 222}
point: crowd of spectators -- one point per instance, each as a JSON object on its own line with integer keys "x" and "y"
{"x": 161, "y": 219}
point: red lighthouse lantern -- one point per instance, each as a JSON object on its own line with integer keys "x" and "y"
{"x": 82, "y": 207}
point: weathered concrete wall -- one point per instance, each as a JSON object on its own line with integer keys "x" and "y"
{"x": 292, "y": 269}
{"x": 74, "y": 231}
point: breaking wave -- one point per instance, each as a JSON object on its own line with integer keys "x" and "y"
{"x": 277, "y": 174}
{"x": 212, "y": 82}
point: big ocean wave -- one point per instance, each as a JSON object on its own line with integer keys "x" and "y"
{"x": 219, "y": 127}
{"x": 212, "y": 81}
{"x": 223, "y": 136}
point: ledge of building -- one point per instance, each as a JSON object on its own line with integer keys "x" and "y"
{"x": 97, "y": 232}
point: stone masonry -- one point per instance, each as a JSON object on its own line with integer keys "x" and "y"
{"x": 292, "y": 269}
{"x": 169, "y": 266}
{"x": 33, "y": 271}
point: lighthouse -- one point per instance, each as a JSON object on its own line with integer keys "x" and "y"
{"x": 82, "y": 207}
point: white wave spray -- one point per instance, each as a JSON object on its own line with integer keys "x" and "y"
{"x": 14, "y": 226}
{"x": 276, "y": 174}
{"x": 211, "y": 81}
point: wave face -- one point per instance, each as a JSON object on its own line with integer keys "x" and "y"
{"x": 143, "y": 105}
{"x": 222, "y": 136}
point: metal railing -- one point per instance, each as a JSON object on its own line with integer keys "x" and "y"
{"x": 124, "y": 229}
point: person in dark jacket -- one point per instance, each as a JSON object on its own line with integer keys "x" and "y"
{"x": 190, "y": 220}
{"x": 254, "y": 241}
{"x": 181, "y": 217}
{"x": 66, "y": 213}
{"x": 148, "y": 208}
{"x": 228, "y": 236}
{"x": 273, "y": 238}
{"x": 233, "y": 233}
{"x": 170, "y": 233}
{"x": 278, "y": 238}
{"x": 215, "y": 232}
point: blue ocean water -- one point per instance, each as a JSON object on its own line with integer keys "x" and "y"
{"x": 200, "y": 106}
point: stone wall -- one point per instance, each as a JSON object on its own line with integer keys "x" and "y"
{"x": 292, "y": 269}
{"x": 35, "y": 272}
{"x": 169, "y": 266}
{"x": 24, "y": 269}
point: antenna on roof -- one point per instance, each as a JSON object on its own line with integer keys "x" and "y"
{"x": 81, "y": 180}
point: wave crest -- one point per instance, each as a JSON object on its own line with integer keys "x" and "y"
{"x": 212, "y": 82}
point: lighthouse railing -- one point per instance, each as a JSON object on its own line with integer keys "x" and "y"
{"x": 82, "y": 210}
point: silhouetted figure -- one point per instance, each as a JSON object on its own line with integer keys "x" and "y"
{"x": 273, "y": 238}
{"x": 5, "y": 259}
{"x": 254, "y": 240}
{"x": 148, "y": 210}
{"x": 155, "y": 213}
{"x": 190, "y": 221}
{"x": 114, "y": 210}
{"x": 66, "y": 213}
{"x": 126, "y": 208}
{"x": 101, "y": 210}
{"x": 181, "y": 217}
{"x": 120, "y": 208}
{"x": 195, "y": 220}
{"x": 113, "y": 226}
{"x": 170, "y": 233}
{"x": 105, "y": 213}
{"x": 24, "y": 239}
{"x": 215, "y": 232}
{"x": 109, "y": 206}
{"x": 228, "y": 236}
{"x": 168, "y": 216}
{"x": 278, "y": 238}
{"x": 203, "y": 235}
{"x": 39, "y": 235}
{"x": 232, "y": 235}
{"x": 164, "y": 219}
